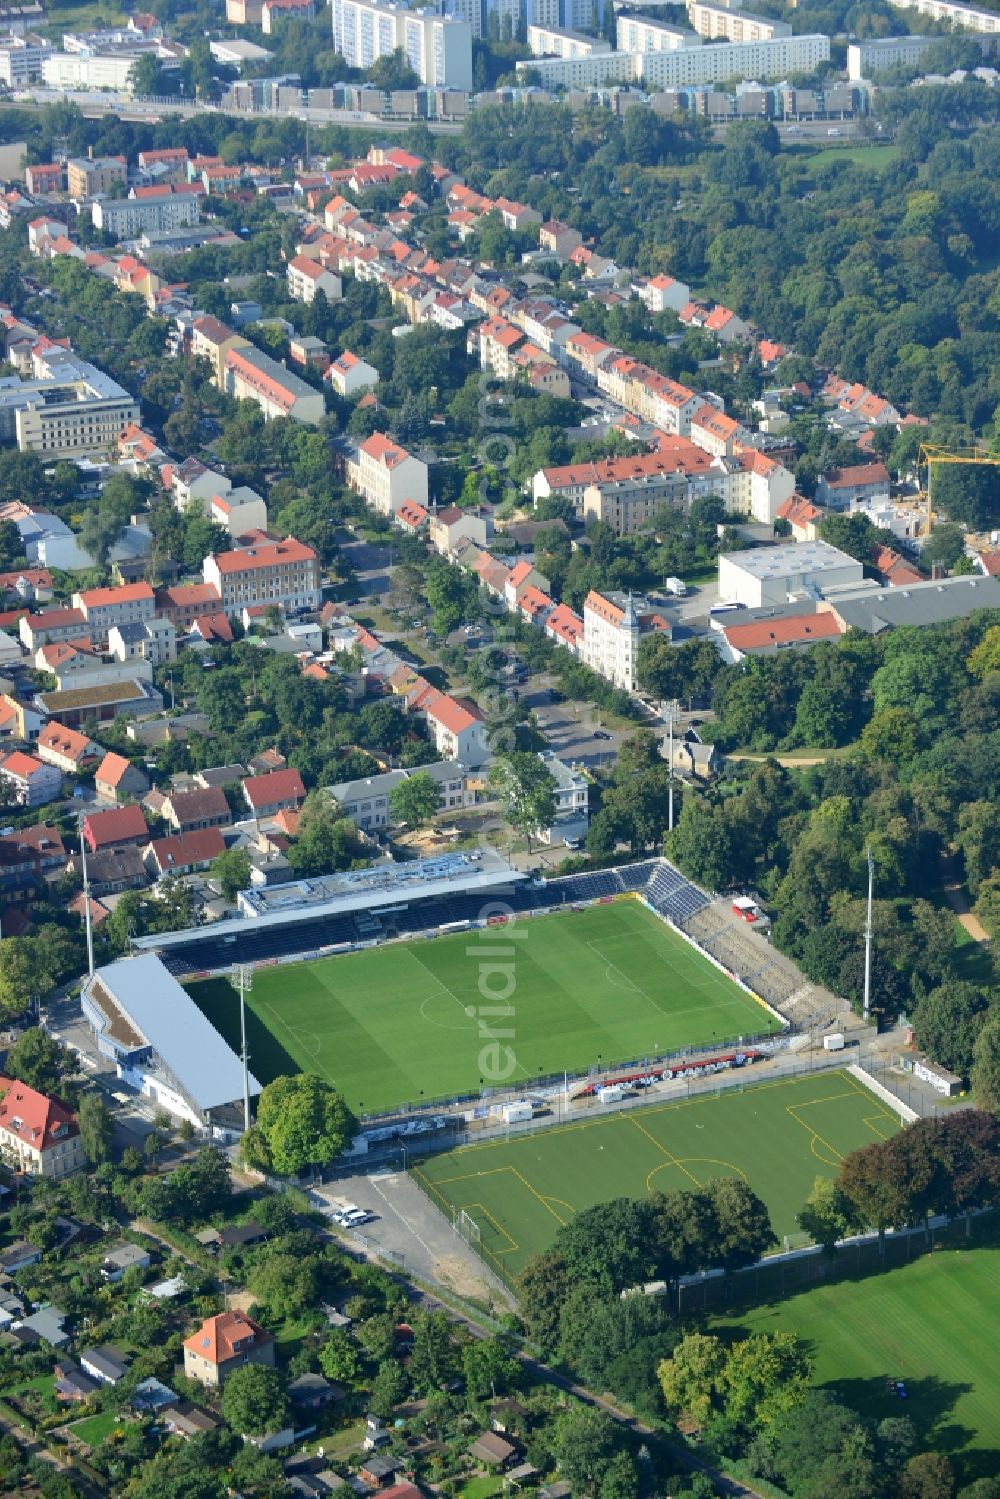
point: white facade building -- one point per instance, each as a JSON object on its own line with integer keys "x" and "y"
{"x": 387, "y": 475}
{"x": 970, "y": 16}
{"x": 438, "y": 48}
{"x": 687, "y": 67}
{"x": 876, "y": 55}
{"x": 71, "y": 71}
{"x": 714, "y": 20}
{"x": 774, "y": 575}
{"x": 644, "y": 34}
{"x": 127, "y": 218}
{"x": 552, "y": 41}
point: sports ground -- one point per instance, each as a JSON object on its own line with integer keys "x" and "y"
{"x": 779, "y": 1136}
{"x": 404, "y": 1022}
{"x": 935, "y": 1324}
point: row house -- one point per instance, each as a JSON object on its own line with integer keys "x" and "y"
{"x": 496, "y": 340}
{"x": 186, "y": 602}
{"x": 588, "y": 353}
{"x": 102, "y": 608}
{"x": 717, "y": 433}
{"x": 253, "y": 376}
{"x": 51, "y": 626}
{"x": 210, "y": 339}
{"x": 566, "y": 628}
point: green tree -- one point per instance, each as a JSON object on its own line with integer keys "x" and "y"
{"x": 542, "y": 1287}
{"x": 490, "y": 1368}
{"x": 390, "y": 1387}
{"x": 948, "y": 1020}
{"x": 254, "y": 1401}
{"x": 338, "y": 1357}
{"x": 301, "y": 1121}
{"x": 928, "y": 1475}
{"x": 589, "y": 1447}
{"x": 944, "y": 546}
{"x": 434, "y": 1357}
{"x": 826, "y": 1216}
{"x": 285, "y": 1285}
{"x": 415, "y": 800}
{"x": 702, "y": 843}
{"x": 232, "y": 870}
{"x": 38, "y": 1060}
{"x": 985, "y": 1074}
{"x": 23, "y": 976}
{"x": 693, "y": 1378}
{"x": 96, "y": 1128}
{"x": 765, "y": 1377}
{"x": 742, "y": 1225}
{"x": 525, "y": 789}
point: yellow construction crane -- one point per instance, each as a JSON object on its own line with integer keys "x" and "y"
{"x": 929, "y": 455}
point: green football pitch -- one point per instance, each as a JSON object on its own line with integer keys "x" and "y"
{"x": 404, "y": 1022}
{"x": 935, "y": 1324}
{"x": 779, "y": 1136}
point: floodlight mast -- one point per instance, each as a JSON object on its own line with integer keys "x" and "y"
{"x": 244, "y": 982}
{"x": 868, "y": 937}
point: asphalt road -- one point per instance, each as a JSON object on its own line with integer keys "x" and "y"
{"x": 371, "y": 562}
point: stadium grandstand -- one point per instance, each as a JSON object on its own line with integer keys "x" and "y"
{"x": 307, "y": 919}
{"x": 161, "y": 1043}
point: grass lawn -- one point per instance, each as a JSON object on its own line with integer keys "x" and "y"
{"x": 402, "y": 1022}
{"x": 96, "y": 1429}
{"x": 481, "y": 1488}
{"x": 934, "y": 1324}
{"x": 974, "y": 959}
{"x": 779, "y": 1136}
{"x": 875, "y": 157}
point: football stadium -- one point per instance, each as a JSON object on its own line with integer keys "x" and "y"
{"x": 448, "y": 977}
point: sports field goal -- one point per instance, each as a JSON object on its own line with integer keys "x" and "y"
{"x": 465, "y": 1227}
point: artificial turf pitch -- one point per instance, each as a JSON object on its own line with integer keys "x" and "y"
{"x": 401, "y": 1023}
{"x": 779, "y": 1136}
{"x": 935, "y": 1324}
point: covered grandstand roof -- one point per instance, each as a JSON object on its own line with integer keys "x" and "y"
{"x": 379, "y": 885}
{"x": 140, "y": 1002}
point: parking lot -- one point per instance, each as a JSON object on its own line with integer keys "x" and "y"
{"x": 408, "y": 1230}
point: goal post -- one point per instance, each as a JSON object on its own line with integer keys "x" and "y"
{"x": 465, "y": 1227}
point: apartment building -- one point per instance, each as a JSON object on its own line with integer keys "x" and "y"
{"x": 38, "y": 1135}
{"x": 972, "y": 17}
{"x": 28, "y": 780}
{"x": 46, "y": 178}
{"x": 713, "y": 20}
{"x": 644, "y": 34}
{"x": 307, "y": 277}
{"x": 66, "y": 71}
{"x": 95, "y": 177}
{"x": 386, "y": 474}
{"x": 613, "y": 625}
{"x": 553, "y": 41}
{"x": 284, "y": 573}
{"x": 437, "y": 48}
{"x": 104, "y": 607}
{"x": 21, "y": 59}
{"x": 157, "y": 208}
{"x": 367, "y": 801}
{"x": 239, "y": 511}
{"x": 865, "y": 59}
{"x": 210, "y": 339}
{"x": 663, "y": 294}
{"x": 685, "y": 67}
{"x": 253, "y": 376}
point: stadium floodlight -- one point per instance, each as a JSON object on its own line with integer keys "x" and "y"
{"x": 868, "y": 938}
{"x": 243, "y": 973}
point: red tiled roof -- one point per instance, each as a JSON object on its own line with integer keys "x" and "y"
{"x": 272, "y": 554}
{"x": 775, "y": 632}
{"x": 21, "y": 765}
{"x": 384, "y": 450}
{"x": 128, "y": 593}
{"x": 35, "y": 1119}
{"x": 118, "y": 825}
{"x": 279, "y": 786}
{"x": 223, "y": 1337}
{"x": 188, "y": 848}
{"x": 111, "y": 769}
{"x": 860, "y": 473}
{"x": 63, "y": 741}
